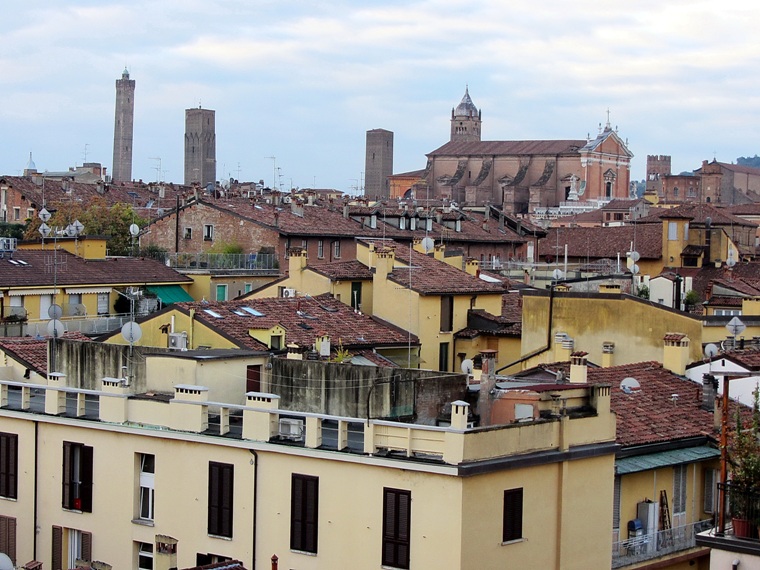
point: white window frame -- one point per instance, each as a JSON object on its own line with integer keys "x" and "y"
{"x": 672, "y": 231}
{"x": 104, "y": 300}
{"x": 147, "y": 487}
{"x": 208, "y": 232}
{"x": 680, "y": 485}
{"x": 74, "y": 547}
{"x": 145, "y": 551}
{"x": 336, "y": 249}
{"x": 321, "y": 249}
{"x": 188, "y": 233}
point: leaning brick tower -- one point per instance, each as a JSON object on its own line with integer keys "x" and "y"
{"x": 123, "y": 130}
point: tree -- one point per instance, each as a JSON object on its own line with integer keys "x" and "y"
{"x": 98, "y": 218}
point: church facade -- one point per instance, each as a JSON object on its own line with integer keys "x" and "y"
{"x": 521, "y": 176}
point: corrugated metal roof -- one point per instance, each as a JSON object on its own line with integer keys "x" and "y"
{"x": 638, "y": 463}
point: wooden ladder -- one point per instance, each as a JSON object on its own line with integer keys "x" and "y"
{"x": 666, "y": 535}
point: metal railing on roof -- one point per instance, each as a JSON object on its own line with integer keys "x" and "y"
{"x": 648, "y": 546}
{"x": 216, "y": 261}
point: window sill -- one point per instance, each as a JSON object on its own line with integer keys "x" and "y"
{"x": 304, "y": 552}
{"x": 143, "y": 522}
{"x": 220, "y": 537}
{"x": 73, "y": 510}
{"x": 13, "y": 499}
{"x": 515, "y": 541}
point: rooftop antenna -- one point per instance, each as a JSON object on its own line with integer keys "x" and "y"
{"x": 85, "y": 152}
{"x": 274, "y": 170}
{"x": 157, "y": 168}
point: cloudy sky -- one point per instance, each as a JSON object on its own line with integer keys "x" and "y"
{"x": 303, "y": 80}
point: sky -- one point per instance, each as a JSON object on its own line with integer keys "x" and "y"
{"x": 304, "y": 80}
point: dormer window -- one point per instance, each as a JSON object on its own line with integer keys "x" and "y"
{"x": 402, "y": 223}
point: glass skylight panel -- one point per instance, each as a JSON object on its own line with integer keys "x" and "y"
{"x": 252, "y": 311}
{"x": 213, "y": 313}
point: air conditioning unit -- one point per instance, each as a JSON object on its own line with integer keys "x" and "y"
{"x": 178, "y": 341}
{"x": 291, "y": 429}
{"x": 288, "y": 292}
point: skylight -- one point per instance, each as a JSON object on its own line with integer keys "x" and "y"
{"x": 13, "y": 261}
{"x": 252, "y": 311}
{"x": 240, "y": 313}
{"x": 213, "y": 313}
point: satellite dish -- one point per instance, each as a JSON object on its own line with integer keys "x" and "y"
{"x": 634, "y": 269}
{"x": 467, "y": 366}
{"x": 730, "y": 261}
{"x": 44, "y": 229}
{"x": 131, "y": 332}
{"x": 711, "y": 350}
{"x": 634, "y": 255}
{"x": 557, "y": 274}
{"x": 735, "y": 326}
{"x": 55, "y": 311}
{"x": 78, "y": 226}
{"x": 630, "y": 385}
{"x": 56, "y": 328}
{"x": 79, "y": 310}
{"x": 5, "y": 562}
{"x": 44, "y": 215}
{"x": 428, "y": 244}
{"x": 134, "y": 229}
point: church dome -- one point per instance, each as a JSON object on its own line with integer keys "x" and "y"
{"x": 466, "y": 107}
{"x": 30, "y": 165}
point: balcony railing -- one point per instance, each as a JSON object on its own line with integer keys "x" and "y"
{"x": 742, "y": 508}
{"x": 264, "y": 262}
{"x": 654, "y": 545}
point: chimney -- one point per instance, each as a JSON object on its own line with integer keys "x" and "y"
{"x": 294, "y": 352}
{"x": 297, "y": 259}
{"x": 487, "y": 383}
{"x": 439, "y": 252}
{"x": 459, "y": 412}
{"x": 296, "y": 207}
{"x": 563, "y": 347}
{"x": 384, "y": 258}
{"x": 472, "y": 266}
{"x": 608, "y": 351}
{"x": 165, "y": 557}
{"x": 676, "y": 352}
{"x": 345, "y": 211}
{"x": 578, "y": 367}
{"x": 709, "y": 390}
{"x": 610, "y": 288}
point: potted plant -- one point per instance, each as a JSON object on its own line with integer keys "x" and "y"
{"x": 744, "y": 464}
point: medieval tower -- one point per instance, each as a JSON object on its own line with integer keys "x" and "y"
{"x": 465, "y": 120}
{"x": 123, "y": 129}
{"x": 200, "y": 147}
{"x": 379, "y": 163}
{"x": 658, "y": 167}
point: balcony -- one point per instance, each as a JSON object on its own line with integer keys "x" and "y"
{"x": 738, "y": 531}
{"x": 656, "y": 545}
{"x": 250, "y": 262}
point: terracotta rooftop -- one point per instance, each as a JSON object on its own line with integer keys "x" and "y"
{"x": 608, "y": 242}
{"x": 697, "y": 214}
{"x": 428, "y": 276}
{"x": 37, "y": 268}
{"x": 343, "y": 271}
{"x": 549, "y": 147}
{"x": 666, "y": 409}
{"x": 303, "y": 318}
{"x": 32, "y": 351}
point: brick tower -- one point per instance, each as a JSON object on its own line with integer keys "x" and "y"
{"x": 465, "y": 120}
{"x": 123, "y": 129}
{"x": 379, "y": 163}
{"x": 658, "y": 166}
{"x": 200, "y": 146}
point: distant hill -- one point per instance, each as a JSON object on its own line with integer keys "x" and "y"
{"x": 752, "y": 162}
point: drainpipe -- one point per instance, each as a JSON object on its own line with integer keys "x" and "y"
{"x": 176, "y": 228}
{"x": 255, "y": 503}
{"x": 36, "y": 478}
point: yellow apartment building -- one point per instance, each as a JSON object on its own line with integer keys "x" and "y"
{"x": 170, "y": 477}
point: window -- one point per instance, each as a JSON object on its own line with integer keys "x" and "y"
{"x": 253, "y": 378}
{"x": 220, "y": 485}
{"x": 208, "y": 558}
{"x": 616, "y": 503}
{"x": 147, "y": 492}
{"x": 77, "y": 477}
{"x": 711, "y": 496}
{"x": 247, "y": 287}
{"x": 336, "y": 249}
{"x": 208, "y": 232}
{"x": 8, "y": 537}
{"x": 304, "y": 512}
{"x": 103, "y": 303}
{"x": 30, "y": 213}
{"x": 221, "y": 292}
{"x": 8, "y": 466}
{"x": 16, "y": 213}
{"x": 356, "y": 295}
{"x": 672, "y": 231}
{"x": 679, "y": 489}
{"x": 70, "y": 545}
{"x": 443, "y": 356}
{"x": 513, "y": 515}
{"x": 686, "y": 231}
{"x": 397, "y": 511}
{"x": 727, "y": 312}
{"x": 675, "y": 191}
{"x": 45, "y": 302}
{"x": 447, "y": 313}
{"x": 321, "y": 249}
{"x": 188, "y": 233}
{"x": 144, "y": 556}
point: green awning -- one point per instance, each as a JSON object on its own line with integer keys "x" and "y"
{"x": 170, "y": 293}
{"x": 664, "y": 459}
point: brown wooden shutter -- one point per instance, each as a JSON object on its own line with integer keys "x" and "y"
{"x": 513, "y": 514}
{"x": 8, "y": 464}
{"x": 220, "y": 498}
{"x": 397, "y": 505}
{"x": 11, "y": 539}
{"x": 87, "y": 546}
{"x": 311, "y": 499}
{"x": 296, "y": 510}
{"x": 85, "y": 478}
{"x": 4, "y": 534}
{"x": 57, "y": 554}
{"x": 213, "y": 498}
{"x": 228, "y": 480}
{"x": 66, "y": 501}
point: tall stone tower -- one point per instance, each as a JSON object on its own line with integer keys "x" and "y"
{"x": 379, "y": 163}
{"x": 465, "y": 120}
{"x": 658, "y": 167}
{"x": 123, "y": 129}
{"x": 200, "y": 146}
